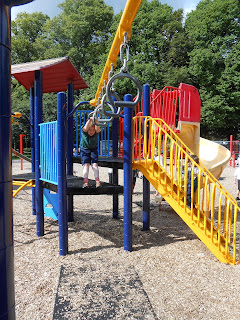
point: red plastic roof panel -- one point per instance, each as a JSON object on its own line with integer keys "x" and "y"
{"x": 56, "y": 74}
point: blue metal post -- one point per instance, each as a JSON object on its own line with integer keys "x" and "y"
{"x": 32, "y": 144}
{"x": 38, "y": 183}
{"x": 70, "y": 148}
{"x": 7, "y": 303}
{"x": 62, "y": 178}
{"x": 146, "y": 183}
{"x": 115, "y": 170}
{"x": 7, "y": 299}
{"x": 127, "y": 172}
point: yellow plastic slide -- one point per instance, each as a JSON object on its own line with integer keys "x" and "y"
{"x": 213, "y": 156}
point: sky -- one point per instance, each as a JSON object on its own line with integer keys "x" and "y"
{"x": 50, "y": 7}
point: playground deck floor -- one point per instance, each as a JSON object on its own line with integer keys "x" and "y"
{"x": 170, "y": 274}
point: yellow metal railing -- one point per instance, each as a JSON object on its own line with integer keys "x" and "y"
{"x": 125, "y": 26}
{"x": 22, "y": 184}
{"x": 214, "y": 213}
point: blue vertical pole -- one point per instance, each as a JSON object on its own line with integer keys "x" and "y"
{"x": 7, "y": 300}
{"x": 62, "y": 178}
{"x": 32, "y": 143}
{"x": 115, "y": 170}
{"x": 38, "y": 183}
{"x": 146, "y": 183}
{"x": 127, "y": 173}
{"x": 70, "y": 148}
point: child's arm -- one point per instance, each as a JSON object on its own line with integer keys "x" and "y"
{"x": 97, "y": 128}
{"x": 87, "y": 125}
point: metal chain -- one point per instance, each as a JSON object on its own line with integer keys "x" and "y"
{"x": 123, "y": 46}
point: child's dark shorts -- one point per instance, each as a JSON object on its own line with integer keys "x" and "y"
{"x": 239, "y": 185}
{"x": 89, "y": 155}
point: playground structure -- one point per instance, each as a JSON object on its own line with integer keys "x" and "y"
{"x": 176, "y": 139}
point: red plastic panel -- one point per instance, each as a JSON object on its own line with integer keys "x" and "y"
{"x": 189, "y": 103}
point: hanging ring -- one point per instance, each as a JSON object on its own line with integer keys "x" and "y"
{"x": 109, "y": 93}
{"x": 113, "y": 114}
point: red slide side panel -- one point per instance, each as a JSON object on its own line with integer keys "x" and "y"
{"x": 189, "y": 104}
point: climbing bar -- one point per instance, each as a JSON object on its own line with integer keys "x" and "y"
{"x": 22, "y": 185}
{"x": 125, "y": 25}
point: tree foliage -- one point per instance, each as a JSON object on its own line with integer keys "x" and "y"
{"x": 214, "y": 30}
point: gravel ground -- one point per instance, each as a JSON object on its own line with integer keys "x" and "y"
{"x": 169, "y": 275}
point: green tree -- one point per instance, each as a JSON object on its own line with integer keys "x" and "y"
{"x": 27, "y": 34}
{"x": 158, "y": 48}
{"x": 214, "y": 31}
{"x": 80, "y": 32}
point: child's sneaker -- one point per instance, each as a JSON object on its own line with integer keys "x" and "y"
{"x": 85, "y": 185}
{"x": 98, "y": 184}
{"x": 237, "y": 198}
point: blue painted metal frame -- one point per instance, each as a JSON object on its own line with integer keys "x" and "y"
{"x": 70, "y": 147}
{"x": 50, "y": 198}
{"x": 127, "y": 172}
{"x": 48, "y": 152}
{"x": 38, "y": 183}
{"x": 7, "y": 299}
{"x": 32, "y": 116}
{"x": 62, "y": 177}
{"x": 146, "y": 183}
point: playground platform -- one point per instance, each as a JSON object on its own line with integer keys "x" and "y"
{"x": 74, "y": 185}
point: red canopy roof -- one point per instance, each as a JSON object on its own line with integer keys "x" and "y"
{"x": 56, "y": 74}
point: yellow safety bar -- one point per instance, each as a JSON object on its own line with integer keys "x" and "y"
{"x": 214, "y": 215}
{"x": 22, "y": 185}
{"x": 125, "y": 25}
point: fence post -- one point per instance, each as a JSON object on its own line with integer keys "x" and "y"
{"x": 70, "y": 148}
{"x": 127, "y": 172}
{"x": 146, "y": 183}
{"x": 62, "y": 178}
{"x": 38, "y": 183}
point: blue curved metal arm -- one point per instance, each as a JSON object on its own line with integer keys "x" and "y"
{"x": 75, "y": 108}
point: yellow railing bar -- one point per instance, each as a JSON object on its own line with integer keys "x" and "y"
{"x": 125, "y": 25}
{"x": 225, "y": 228}
{"x": 23, "y": 185}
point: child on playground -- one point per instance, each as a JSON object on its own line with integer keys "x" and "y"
{"x": 237, "y": 181}
{"x": 189, "y": 180}
{"x": 89, "y": 151}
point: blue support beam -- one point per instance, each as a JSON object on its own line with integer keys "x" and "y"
{"x": 62, "y": 178}
{"x": 32, "y": 117}
{"x": 70, "y": 147}
{"x": 146, "y": 183}
{"x": 38, "y": 182}
{"x": 127, "y": 172}
{"x": 7, "y": 303}
{"x": 115, "y": 125}
{"x": 7, "y": 297}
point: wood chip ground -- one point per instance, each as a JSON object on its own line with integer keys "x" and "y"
{"x": 170, "y": 274}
